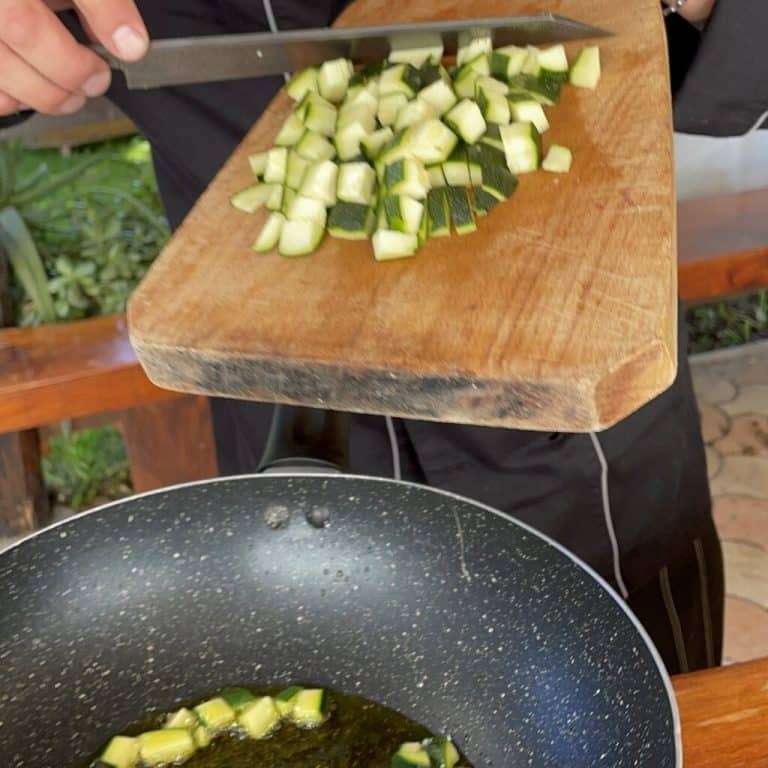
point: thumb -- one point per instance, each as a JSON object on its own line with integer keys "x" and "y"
{"x": 117, "y": 25}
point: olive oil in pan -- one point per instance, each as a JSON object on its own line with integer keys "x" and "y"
{"x": 358, "y": 733}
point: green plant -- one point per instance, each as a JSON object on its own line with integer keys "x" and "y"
{"x": 728, "y": 323}
{"x": 18, "y": 197}
{"x": 84, "y": 229}
{"x": 86, "y": 465}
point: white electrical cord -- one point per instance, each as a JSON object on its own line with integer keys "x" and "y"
{"x": 273, "y": 27}
{"x": 396, "y": 469}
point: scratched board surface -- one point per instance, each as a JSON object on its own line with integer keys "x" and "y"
{"x": 559, "y": 313}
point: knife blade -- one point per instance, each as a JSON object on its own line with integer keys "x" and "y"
{"x": 183, "y": 61}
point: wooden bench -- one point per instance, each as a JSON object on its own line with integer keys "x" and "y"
{"x": 722, "y": 246}
{"x": 84, "y": 369}
{"x": 80, "y": 370}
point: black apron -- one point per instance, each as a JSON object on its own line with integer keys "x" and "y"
{"x": 633, "y": 501}
{"x": 725, "y": 91}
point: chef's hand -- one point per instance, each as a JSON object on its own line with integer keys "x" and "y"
{"x": 42, "y": 67}
{"x": 695, "y": 10}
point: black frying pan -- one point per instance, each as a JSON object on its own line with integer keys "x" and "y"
{"x": 448, "y": 611}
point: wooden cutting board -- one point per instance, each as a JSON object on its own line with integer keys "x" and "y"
{"x": 558, "y": 314}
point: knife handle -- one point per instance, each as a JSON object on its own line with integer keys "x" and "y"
{"x": 9, "y": 121}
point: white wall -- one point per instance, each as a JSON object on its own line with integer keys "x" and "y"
{"x": 706, "y": 166}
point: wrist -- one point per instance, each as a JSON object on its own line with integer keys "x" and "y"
{"x": 692, "y": 10}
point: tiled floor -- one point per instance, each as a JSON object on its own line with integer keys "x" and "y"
{"x": 732, "y": 387}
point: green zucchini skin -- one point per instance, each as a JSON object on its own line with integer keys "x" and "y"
{"x": 372, "y": 146}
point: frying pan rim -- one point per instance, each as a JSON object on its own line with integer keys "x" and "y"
{"x": 454, "y": 496}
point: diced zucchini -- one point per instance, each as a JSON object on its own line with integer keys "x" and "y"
{"x": 441, "y": 752}
{"x": 558, "y": 159}
{"x": 389, "y": 245}
{"x": 475, "y": 172}
{"x": 554, "y": 63}
{"x": 436, "y": 177}
{"x": 545, "y": 90}
{"x": 181, "y": 719}
{"x": 456, "y": 169}
{"x": 251, "y": 198}
{"x": 202, "y": 736}
{"x": 301, "y": 237}
{"x": 488, "y": 85}
{"x": 473, "y": 44}
{"x": 480, "y": 64}
{"x": 277, "y": 159}
{"x": 483, "y": 202}
{"x": 486, "y": 155}
{"x": 275, "y": 200}
{"x": 215, "y": 714}
{"x": 492, "y": 138}
{"x": 310, "y": 707}
{"x": 363, "y": 97}
{"x": 439, "y": 95}
{"x": 356, "y": 183}
{"x": 403, "y": 52}
{"x": 302, "y": 83}
{"x": 586, "y": 71}
{"x": 402, "y": 78}
{"x": 259, "y": 718}
{"x": 467, "y": 121}
{"x": 498, "y": 181}
{"x": 319, "y": 182}
{"x": 121, "y": 752}
{"x": 403, "y": 214}
{"x": 358, "y": 112}
{"x": 373, "y": 143}
{"x": 390, "y": 105}
{"x": 258, "y": 163}
{"x": 351, "y": 221}
{"x": 531, "y": 65}
{"x": 431, "y": 73}
{"x": 318, "y": 114}
{"x": 284, "y": 700}
{"x": 166, "y": 746}
{"x": 397, "y": 147}
{"x": 381, "y": 217}
{"x": 295, "y": 168}
{"x": 408, "y": 177}
{"x": 531, "y": 112}
{"x": 464, "y": 84}
{"x": 411, "y": 754}
{"x": 289, "y": 195}
{"x": 268, "y": 238}
{"x": 372, "y": 86}
{"x": 461, "y": 212}
{"x": 495, "y": 107}
{"x": 315, "y": 147}
{"x": 347, "y": 141}
{"x": 431, "y": 142}
{"x": 438, "y": 214}
{"x": 333, "y": 79}
{"x": 414, "y": 112}
{"x": 291, "y": 132}
{"x": 371, "y": 71}
{"x": 522, "y": 146}
{"x": 508, "y": 61}
{"x": 307, "y": 209}
{"x": 423, "y": 232}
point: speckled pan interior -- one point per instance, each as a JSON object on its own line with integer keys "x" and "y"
{"x": 433, "y": 605}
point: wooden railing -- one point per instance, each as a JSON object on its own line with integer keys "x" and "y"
{"x": 87, "y": 368}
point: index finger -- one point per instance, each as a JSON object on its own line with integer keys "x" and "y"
{"x": 117, "y": 25}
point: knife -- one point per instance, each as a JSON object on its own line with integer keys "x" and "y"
{"x": 183, "y": 61}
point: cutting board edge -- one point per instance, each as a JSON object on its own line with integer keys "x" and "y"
{"x": 561, "y": 404}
